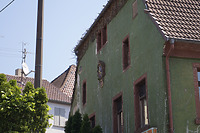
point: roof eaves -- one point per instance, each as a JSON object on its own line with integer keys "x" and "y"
{"x": 60, "y": 102}
{"x": 185, "y": 40}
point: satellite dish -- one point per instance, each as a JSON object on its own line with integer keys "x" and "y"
{"x": 25, "y": 68}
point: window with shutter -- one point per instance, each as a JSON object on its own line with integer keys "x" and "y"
{"x": 59, "y": 117}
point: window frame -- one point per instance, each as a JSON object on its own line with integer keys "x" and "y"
{"x": 114, "y": 108}
{"x": 196, "y": 68}
{"x": 126, "y": 58}
{"x": 59, "y": 117}
{"x": 91, "y": 117}
{"x": 84, "y": 93}
{"x": 101, "y": 38}
{"x": 137, "y": 107}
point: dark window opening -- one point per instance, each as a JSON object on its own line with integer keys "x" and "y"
{"x": 126, "y": 53}
{"x": 118, "y": 116}
{"x": 141, "y": 111}
{"x": 101, "y": 38}
{"x": 84, "y": 93}
{"x": 92, "y": 121}
{"x": 104, "y": 35}
{"x": 99, "y": 41}
{"x": 143, "y": 104}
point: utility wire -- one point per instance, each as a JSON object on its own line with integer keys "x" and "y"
{"x": 7, "y": 5}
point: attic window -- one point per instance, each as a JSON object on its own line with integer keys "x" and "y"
{"x": 101, "y": 38}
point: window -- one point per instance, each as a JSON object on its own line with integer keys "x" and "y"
{"x": 196, "y": 74}
{"x": 140, "y": 99}
{"x": 101, "y": 38}
{"x": 117, "y": 114}
{"x": 104, "y": 35}
{"x": 126, "y": 53}
{"x": 92, "y": 120}
{"x": 99, "y": 41}
{"x": 59, "y": 117}
{"x": 84, "y": 93}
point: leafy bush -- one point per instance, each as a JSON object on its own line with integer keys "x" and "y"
{"x": 86, "y": 127}
{"x": 75, "y": 124}
{"x": 22, "y": 112}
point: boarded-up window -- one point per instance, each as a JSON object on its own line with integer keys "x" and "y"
{"x": 59, "y": 117}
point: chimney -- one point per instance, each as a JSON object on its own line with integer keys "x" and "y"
{"x": 18, "y": 72}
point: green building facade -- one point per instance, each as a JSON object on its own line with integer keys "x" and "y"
{"x": 122, "y": 77}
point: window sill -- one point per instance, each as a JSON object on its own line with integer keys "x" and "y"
{"x": 58, "y": 126}
{"x": 142, "y": 129}
{"x": 125, "y": 69}
{"x": 98, "y": 52}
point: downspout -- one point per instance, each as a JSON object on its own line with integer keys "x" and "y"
{"x": 171, "y": 128}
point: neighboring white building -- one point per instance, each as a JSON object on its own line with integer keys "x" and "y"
{"x": 59, "y": 93}
{"x": 60, "y": 112}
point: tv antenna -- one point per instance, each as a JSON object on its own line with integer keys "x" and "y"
{"x": 25, "y": 70}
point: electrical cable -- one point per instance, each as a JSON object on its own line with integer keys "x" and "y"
{"x": 7, "y": 6}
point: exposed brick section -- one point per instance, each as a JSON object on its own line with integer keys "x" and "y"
{"x": 53, "y": 93}
{"x": 177, "y": 19}
{"x": 107, "y": 14}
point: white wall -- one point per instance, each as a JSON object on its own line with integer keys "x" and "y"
{"x": 53, "y": 128}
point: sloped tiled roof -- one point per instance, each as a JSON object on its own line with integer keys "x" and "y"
{"x": 177, "y": 19}
{"x": 66, "y": 81}
{"x": 53, "y": 93}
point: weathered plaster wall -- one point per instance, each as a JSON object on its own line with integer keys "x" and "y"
{"x": 183, "y": 94}
{"x": 146, "y": 48}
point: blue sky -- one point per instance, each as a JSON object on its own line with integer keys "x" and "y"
{"x": 65, "y": 21}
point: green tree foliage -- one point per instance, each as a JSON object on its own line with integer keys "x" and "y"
{"x": 97, "y": 129}
{"x": 68, "y": 125}
{"x": 22, "y": 112}
{"x": 85, "y": 127}
{"x": 76, "y": 122}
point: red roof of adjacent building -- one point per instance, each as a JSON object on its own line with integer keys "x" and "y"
{"x": 66, "y": 80}
{"x": 54, "y": 94}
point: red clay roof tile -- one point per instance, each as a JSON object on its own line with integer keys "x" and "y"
{"x": 53, "y": 93}
{"x": 179, "y": 19}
